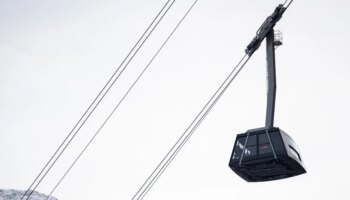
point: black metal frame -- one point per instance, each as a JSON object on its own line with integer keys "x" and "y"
{"x": 271, "y": 79}
{"x": 266, "y": 31}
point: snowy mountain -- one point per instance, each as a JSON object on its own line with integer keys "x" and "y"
{"x": 16, "y": 195}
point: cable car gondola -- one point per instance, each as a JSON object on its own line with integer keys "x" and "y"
{"x": 267, "y": 153}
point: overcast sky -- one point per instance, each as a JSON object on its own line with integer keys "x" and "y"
{"x": 55, "y": 56}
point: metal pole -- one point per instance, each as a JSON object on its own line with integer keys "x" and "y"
{"x": 271, "y": 79}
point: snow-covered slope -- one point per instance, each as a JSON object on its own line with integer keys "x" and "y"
{"x": 16, "y": 195}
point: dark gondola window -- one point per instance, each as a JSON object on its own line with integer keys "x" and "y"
{"x": 264, "y": 145}
{"x": 277, "y": 142}
{"x": 251, "y": 150}
{"x": 238, "y": 149}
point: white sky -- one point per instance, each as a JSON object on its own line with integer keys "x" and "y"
{"x": 56, "y": 55}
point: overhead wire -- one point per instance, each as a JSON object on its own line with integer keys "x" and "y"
{"x": 162, "y": 166}
{"x": 139, "y": 190}
{"x": 119, "y": 103}
{"x": 100, "y": 96}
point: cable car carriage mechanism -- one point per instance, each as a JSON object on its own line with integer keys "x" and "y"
{"x": 267, "y": 153}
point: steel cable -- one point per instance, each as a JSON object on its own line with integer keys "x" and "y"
{"x": 96, "y": 98}
{"x": 117, "y": 106}
{"x": 186, "y": 135}
{"x": 139, "y": 190}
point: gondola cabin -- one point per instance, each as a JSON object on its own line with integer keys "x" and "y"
{"x": 266, "y": 154}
